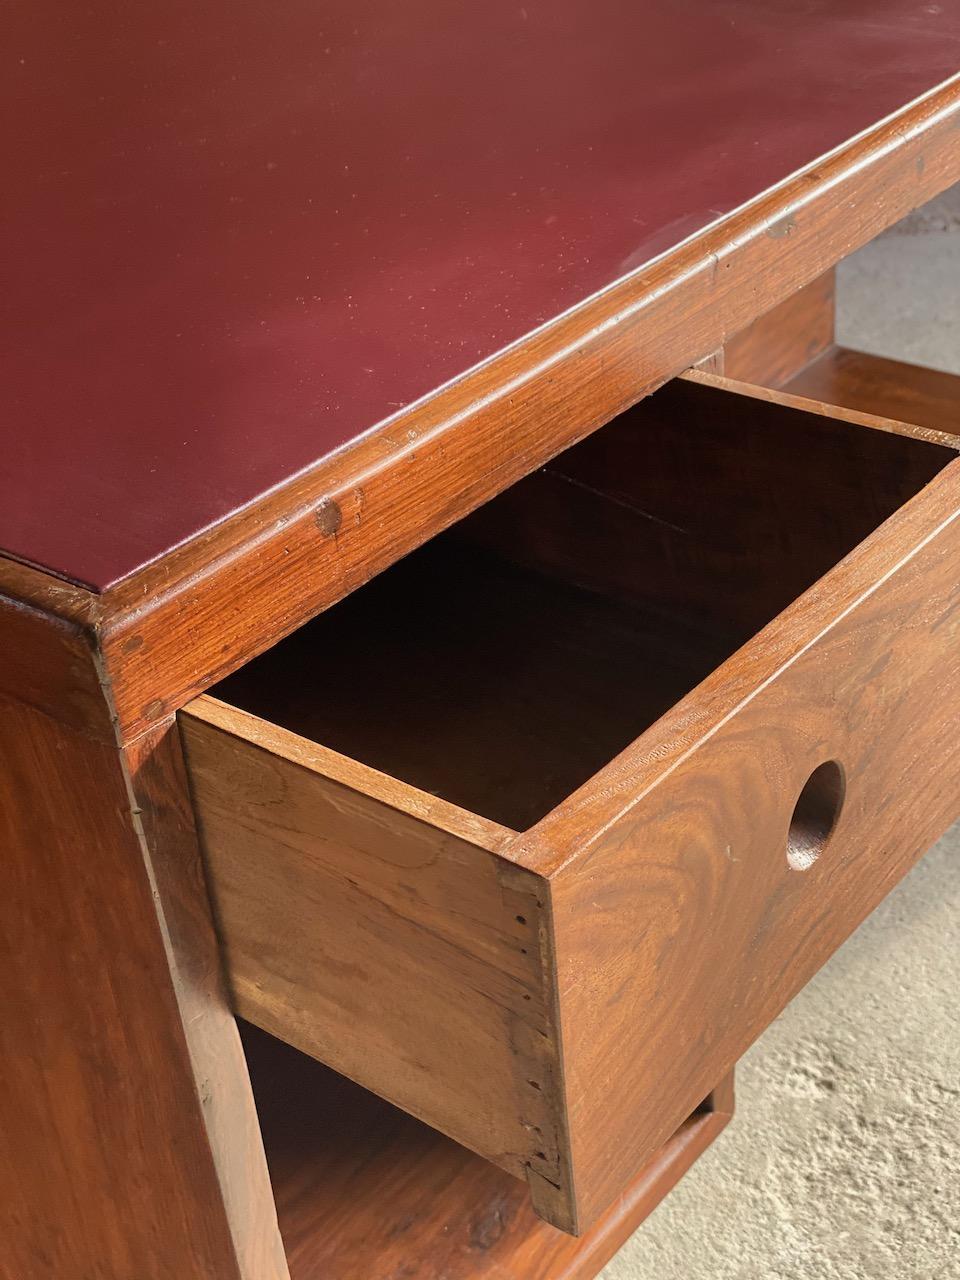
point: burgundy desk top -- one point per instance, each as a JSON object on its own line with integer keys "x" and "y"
{"x": 239, "y": 235}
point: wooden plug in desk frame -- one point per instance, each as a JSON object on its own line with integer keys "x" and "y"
{"x": 134, "y": 1082}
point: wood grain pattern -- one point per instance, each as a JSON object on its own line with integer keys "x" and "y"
{"x": 784, "y": 398}
{"x": 890, "y": 388}
{"x": 107, "y": 1170}
{"x": 48, "y": 648}
{"x": 46, "y": 594}
{"x": 207, "y": 607}
{"x": 398, "y": 951}
{"x": 163, "y": 817}
{"x": 779, "y": 344}
{"x": 707, "y": 938}
{"x": 364, "y": 1191}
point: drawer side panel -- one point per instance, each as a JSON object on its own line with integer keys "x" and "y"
{"x": 402, "y": 955}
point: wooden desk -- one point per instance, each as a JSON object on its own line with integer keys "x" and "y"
{"x": 292, "y": 291}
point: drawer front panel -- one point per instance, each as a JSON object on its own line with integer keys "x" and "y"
{"x": 689, "y": 904}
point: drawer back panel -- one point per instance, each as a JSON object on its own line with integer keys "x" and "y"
{"x": 713, "y": 508}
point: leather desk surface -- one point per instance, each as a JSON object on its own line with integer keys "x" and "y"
{"x": 239, "y": 236}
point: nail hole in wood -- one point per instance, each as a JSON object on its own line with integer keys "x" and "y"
{"x": 328, "y": 517}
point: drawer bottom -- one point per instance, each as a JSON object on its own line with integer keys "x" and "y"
{"x": 364, "y": 1191}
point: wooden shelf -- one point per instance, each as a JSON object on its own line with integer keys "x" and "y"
{"x": 366, "y": 1192}
{"x": 887, "y": 388}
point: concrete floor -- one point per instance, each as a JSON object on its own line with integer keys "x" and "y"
{"x": 843, "y": 1162}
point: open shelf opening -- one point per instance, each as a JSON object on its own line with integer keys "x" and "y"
{"x": 365, "y": 1190}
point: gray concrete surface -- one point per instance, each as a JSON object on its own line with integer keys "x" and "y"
{"x": 843, "y": 1162}
{"x": 900, "y": 295}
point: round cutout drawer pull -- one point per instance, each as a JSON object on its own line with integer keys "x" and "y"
{"x": 815, "y": 815}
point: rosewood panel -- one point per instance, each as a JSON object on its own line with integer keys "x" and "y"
{"x": 46, "y": 649}
{"x": 131, "y": 1148}
{"x": 785, "y": 340}
{"x": 873, "y": 384}
{"x": 715, "y": 909}
{"x": 377, "y": 929}
{"x": 239, "y": 1188}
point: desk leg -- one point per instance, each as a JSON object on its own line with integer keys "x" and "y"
{"x": 130, "y": 1146}
{"x": 778, "y": 345}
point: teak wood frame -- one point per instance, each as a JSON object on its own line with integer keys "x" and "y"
{"x": 145, "y": 1156}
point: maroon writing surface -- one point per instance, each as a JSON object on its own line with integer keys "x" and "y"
{"x": 239, "y": 235}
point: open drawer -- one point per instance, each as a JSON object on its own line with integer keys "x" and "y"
{"x": 535, "y": 833}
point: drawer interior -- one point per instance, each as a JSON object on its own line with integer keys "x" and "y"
{"x": 506, "y": 661}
